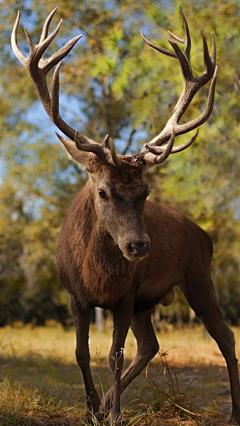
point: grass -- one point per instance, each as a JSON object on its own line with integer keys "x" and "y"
{"x": 40, "y": 383}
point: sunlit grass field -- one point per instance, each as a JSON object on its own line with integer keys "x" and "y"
{"x": 186, "y": 384}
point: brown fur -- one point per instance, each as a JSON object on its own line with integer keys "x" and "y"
{"x": 89, "y": 263}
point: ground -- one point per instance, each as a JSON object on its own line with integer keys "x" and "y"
{"x": 186, "y": 383}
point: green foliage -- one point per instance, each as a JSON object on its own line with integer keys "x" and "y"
{"x": 113, "y": 83}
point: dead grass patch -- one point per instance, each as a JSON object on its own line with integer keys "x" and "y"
{"x": 40, "y": 383}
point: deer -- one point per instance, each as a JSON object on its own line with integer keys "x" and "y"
{"x": 119, "y": 251}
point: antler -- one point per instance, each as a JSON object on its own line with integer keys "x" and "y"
{"x": 152, "y": 152}
{"x": 38, "y": 69}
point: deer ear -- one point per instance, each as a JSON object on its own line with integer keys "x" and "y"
{"x": 86, "y": 159}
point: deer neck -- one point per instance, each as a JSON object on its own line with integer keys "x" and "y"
{"x": 106, "y": 274}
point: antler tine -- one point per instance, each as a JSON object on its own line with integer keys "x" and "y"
{"x": 209, "y": 62}
{"x": 49, "y": 63}
{"x": 159, "y": 149}
{"x": 96, "y": 148}
{"x": 177, "y": 38}
{"x": 186, "y": 144}
{"x": 29, "y": 40}
{"x": 166, "y": 151}
{"x": 38, "y": 69}
{"x": 187, "y": 40}
{"x": 114, "y": 156}
{"x": 157, "y": 47}
{"x": 183, "y": 60}
{"x": 46, "y": 25}
{"x": 42, "y": 47}
{"x": 191, "y": 85}
{"x": 18, "y": 53}
{"x": 214, "y": 50}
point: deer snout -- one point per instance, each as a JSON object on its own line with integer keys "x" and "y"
{"x": 139, "y": 249}
{"x": 135, "y": 250}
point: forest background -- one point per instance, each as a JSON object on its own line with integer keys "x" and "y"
{"x": 113, "y": 83}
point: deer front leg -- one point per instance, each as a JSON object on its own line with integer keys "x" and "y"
{"x": 142, "y": 328}
{"x": 121, "y": 318}
{"x": 82, "y": 321}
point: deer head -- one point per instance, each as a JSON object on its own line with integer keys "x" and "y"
{"x": 116, "y": 181}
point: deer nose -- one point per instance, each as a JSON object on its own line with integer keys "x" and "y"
{"x": 139, "y": 249}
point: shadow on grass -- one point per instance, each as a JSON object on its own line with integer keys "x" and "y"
{"x": 44, "y": 391}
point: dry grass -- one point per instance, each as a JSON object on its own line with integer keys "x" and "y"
{"x": 41, "y": 384}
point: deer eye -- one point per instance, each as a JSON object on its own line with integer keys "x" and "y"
{"x": 102, "y": 194}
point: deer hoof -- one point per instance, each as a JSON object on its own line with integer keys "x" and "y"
{"x": 116, "y": 421}
{"x": 94, "y": 419}
{"x": 234, "y": 421}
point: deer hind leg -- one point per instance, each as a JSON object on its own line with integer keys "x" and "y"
{"x": 142, "y": 328}
{"x": 82, "y": 321}
{"x": 202, "y": 299}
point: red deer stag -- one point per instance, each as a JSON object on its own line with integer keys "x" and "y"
{"x": 117, "y": 250}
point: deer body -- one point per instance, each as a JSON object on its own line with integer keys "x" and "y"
{"x": 86, "y": 250}
{"x": 118, "y": 250}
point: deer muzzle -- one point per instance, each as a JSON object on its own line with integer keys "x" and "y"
{"x": 139, "y": 249}
{"x": 135, "y": 250}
